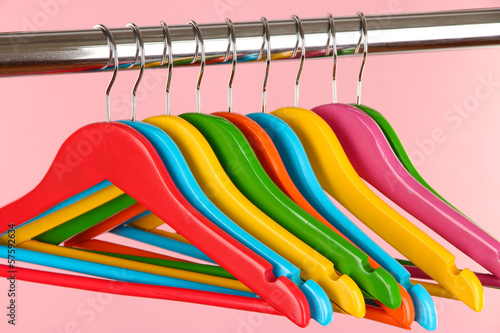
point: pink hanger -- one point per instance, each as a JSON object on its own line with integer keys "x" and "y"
{"x": 372, "y": 157}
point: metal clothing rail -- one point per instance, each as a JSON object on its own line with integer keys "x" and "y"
{"x": 27, "y": 53}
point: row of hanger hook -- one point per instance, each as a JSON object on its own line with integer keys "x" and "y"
{"x": 231, "y": 51}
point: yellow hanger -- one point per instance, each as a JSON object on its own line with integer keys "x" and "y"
{"x": 150, "y": 222}
{"x": 147, "y": 223}
{"x": 212, "y": 178}
{"x": 134, "y": 265}
{"x": 339, "y": 179}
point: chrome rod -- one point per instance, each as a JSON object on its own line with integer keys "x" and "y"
{"x": 46, "y": 52}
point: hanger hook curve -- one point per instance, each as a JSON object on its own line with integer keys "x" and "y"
{"x": 139, "y": 42}
{"x": 333, "y": 38}
{"x": 113, "y": 57}
{"x": 363, "y": 36}
{"x": 302, "y": 40}
{"x": 266, "y": 43}
{"x": 231, "y": 37}
{"x": 167, "y": 50}
{"x": 199, "y": 44}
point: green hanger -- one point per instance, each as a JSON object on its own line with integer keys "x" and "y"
{"x": 186, "y": 266}
{"x": 80, "y": 223}
{"x": 244, "y": 169}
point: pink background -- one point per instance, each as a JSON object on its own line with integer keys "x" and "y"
{"x": 416, "y": 92}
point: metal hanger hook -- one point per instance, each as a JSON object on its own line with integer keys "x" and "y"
{"x": 231, "y": 37}
{"x": 302, "y": 40}
{"x": 139, "y": 55}
{"x": 333, "y": 38}
{"x": 113, "y": 57}
{"x": 363, "y": 36}
{"x": 199, "y": 44}
{"x": 167, "y": 49}
{"x": 266, "y": 43}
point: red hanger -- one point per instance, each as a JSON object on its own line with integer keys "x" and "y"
{"x": 140, "y": 290}
{"x": 99, "y": 245}
{"x": 120, "y": 154}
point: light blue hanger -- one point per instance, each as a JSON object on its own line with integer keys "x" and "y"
{"x": 161, "y": 242}
{"x": 300, "y": 170}
{"x": 112, "y": 272}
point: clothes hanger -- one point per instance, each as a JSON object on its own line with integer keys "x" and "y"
{"x": 243, "y": 168}
{"x": 373, "y": 158}
{"x": 155, "y": 189}
{"x": 139, "y": 290}
{"x": 338, "y": 177}
{"x": 219, "y": 188}
{"x": 270, "y": 159}
{"x": 299, "y": 167}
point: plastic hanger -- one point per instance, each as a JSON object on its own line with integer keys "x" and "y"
{"x": 338, "y": 177}
{"x": 139, "y": 289}
{"x": 218, "y": 187}
{"x": 243, "y": 168}
{"x": 297, "y": 164}
{"x": 399, "y": 186}
{"x": 267, "y": 154}
{"x": 373, "y": 158}
{"x": 154, "y": 188}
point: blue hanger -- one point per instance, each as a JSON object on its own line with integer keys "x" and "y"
{"x": 299, "y": 168}
{"x": 112, "y": 272}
